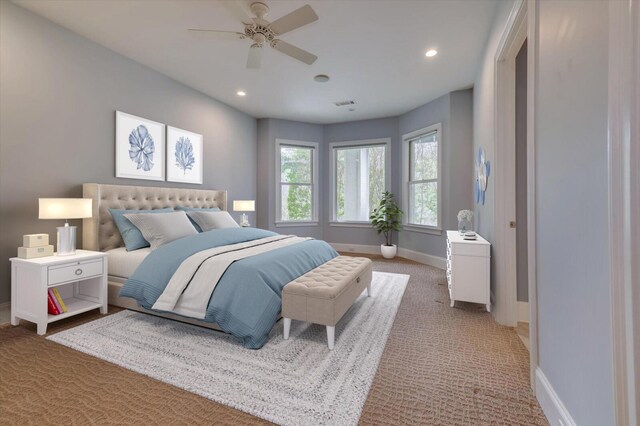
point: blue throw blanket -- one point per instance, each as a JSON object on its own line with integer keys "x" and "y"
{"x": 247, "y": 300}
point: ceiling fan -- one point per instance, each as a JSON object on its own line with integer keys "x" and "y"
{"x": 261, "y": 31}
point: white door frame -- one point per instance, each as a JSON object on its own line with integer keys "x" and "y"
{"x": 624, "y": 206}
{"x": 521, "y": 26}
{"x": 505, "y": 171}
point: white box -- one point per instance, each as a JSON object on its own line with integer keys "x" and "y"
{"x": 35, "y": 240}
{"x": 33, "y": 252}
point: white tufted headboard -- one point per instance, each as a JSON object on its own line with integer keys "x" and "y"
{"x": 100, "y": 232}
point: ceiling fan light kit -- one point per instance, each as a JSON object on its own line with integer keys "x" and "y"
{"x": 261, "y": 31}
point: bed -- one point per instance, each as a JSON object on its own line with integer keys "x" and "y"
{"x": 242, "y": 297}
{"x": 100, "y": 233}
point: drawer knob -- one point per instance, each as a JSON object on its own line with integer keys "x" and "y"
{"x": 79, "y": 271}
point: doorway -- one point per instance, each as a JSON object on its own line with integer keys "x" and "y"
{"x": 522, "y": 271}
{"x": 521, "y": 27}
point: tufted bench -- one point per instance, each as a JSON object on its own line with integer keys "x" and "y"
{"x": 323, "y": 295}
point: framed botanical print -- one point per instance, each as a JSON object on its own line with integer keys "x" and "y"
{"x": 184, "y": 156}
{"x": 139, "y": 148}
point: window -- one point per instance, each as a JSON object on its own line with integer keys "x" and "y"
{"x": 296, "y": 176}
{"x": 360, "y": 174}
{"x": 422, "y": 176}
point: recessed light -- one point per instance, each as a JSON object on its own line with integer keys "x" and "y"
{"x": 241, "y": 93}
{"x": 321, "y": 78}
{"x": 431, "y": 53}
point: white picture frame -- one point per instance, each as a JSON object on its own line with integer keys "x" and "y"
{"x": 146, "y": 158}
{"x": 184, "y": 156}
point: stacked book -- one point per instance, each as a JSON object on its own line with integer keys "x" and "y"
{"x": 55, "y": 303}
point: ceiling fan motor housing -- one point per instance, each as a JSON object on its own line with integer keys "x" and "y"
{"x": 259, "y": 33}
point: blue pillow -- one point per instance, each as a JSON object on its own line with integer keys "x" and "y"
{"x": 197, "y": 209}
{"x": 132, "y": 237}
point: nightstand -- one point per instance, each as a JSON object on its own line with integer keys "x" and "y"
{"x": 81, "y": 280}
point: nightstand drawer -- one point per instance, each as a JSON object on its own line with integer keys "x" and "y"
{"x": 75, "y": 271}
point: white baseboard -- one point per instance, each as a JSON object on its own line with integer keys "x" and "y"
{"x": 523, "y": 312}
{"x": 557, "y": 414}
{"x": 356, "y": 248}
{"x": 427, "y": 259}
{"x": 5, "y": 312}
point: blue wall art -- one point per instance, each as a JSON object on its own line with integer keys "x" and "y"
{"x": 186, "y": 151}
{"x": 483, "y": 169}
{"x": 139, "y": 148}
{"x": 184, "y": 154}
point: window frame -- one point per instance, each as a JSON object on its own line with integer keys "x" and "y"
{"x": 386, "y": 142}
{"x": 314, "y": 182}
{"x": 406, "y": 182}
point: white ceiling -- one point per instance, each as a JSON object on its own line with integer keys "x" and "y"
{"x": 372, "y": 50}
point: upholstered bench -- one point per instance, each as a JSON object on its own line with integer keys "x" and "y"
{"x": 324, "y": 294}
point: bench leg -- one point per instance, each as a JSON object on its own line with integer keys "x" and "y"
{"x": 369, "y": 291}
{"x": 331, "y": 336}
{"x": 287, "y": 327}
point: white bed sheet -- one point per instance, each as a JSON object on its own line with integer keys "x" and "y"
{"x": 123, "y": 263}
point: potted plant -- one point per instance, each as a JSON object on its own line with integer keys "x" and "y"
{"x": 385, "y": 219}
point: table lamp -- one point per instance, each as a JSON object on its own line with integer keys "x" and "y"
{"x": 65, "y": 208}
{"x": 244, "y": 206}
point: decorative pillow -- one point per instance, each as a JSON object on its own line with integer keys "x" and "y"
{"x": 162, "y": 228}
{"x": 197, "y": 209}
{"x": 213, "y": 220}
{"x": 132, "y": 237}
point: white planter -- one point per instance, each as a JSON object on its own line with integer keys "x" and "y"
{"x": 388, "y": 252}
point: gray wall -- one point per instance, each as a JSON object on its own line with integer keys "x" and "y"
{"x": 483, "y": 118}
{"x": 270, "y": 129}
{"x": 521, "y": 175}
{"x": 574, "y": 318}
{"x": 57, "y": 123}
{"x": 353, "y": 131}
{"x": 453, "y": 110}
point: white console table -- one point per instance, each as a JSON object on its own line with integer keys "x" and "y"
{"x": 468, "y": 269}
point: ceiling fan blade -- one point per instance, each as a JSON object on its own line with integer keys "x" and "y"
{"x": 239, "y": 11}
{"x": 255, "y": 56}
{"x": 296, "y": 19}
{"x": 216, "y": 34}
{"x": 294, "y": 52}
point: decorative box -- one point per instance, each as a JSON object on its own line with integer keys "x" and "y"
{"x": 35, "y": 240}
{"x": 33, "y": 252}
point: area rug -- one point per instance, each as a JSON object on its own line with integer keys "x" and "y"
{"x": 290, "y": 382}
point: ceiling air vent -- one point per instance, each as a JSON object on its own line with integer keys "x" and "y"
{"x": 344, "y": 103}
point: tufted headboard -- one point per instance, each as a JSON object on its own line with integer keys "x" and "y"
{"x": 100, "y": 232}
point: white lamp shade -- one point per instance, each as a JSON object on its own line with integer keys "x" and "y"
{"x": 244, "y": 205}
{"x": 64, "y": 208}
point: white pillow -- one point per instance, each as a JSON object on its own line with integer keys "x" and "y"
{"x": 213, "y": 220}
{"x": 162, "y": 228}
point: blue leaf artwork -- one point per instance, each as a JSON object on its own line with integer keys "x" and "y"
{"x": 185, "y": 159}
{"x": 141, "y": 148}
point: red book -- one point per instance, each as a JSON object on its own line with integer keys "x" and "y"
{"x": 52, "y": 308}
{"x": 55, "y": 301}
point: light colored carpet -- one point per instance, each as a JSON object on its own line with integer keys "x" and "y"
{"x": 290, "y": 382}
{"x": 440, "y": 366}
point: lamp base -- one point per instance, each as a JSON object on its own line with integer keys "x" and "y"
{"x": 244, "y": 222}
{"x": 66, "y": 240}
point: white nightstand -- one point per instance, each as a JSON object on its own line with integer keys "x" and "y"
{"x": 81, "y": 280}
{"x": 468, "y": 269}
